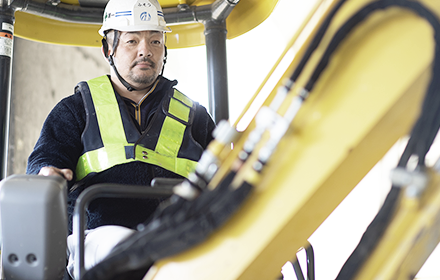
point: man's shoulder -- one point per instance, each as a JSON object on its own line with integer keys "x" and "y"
{"x": 84, "y": 86}
{"x": 201, "y": 111}
{"x": 165, "y": 85}
{"x": 73, "y": 102}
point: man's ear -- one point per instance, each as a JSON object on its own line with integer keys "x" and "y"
{"x": 105, "y": 50}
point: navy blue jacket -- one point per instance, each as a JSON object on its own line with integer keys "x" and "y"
{"x": 60, "y": 145}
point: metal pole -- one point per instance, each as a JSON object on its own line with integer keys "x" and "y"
{"x": 6, "y": 47}
{"x": 215, "y": 37}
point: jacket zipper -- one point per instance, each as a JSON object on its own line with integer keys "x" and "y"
{"x": 137, "y": 107}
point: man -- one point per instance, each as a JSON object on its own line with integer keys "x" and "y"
{"x": 128, "y": 127}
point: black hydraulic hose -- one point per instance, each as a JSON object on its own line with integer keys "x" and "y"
{"x": 173, "y": 232}
{"x": 310, "y": 258}
{"x": 315, "y": 42}
{"x": 310, "y": 262}
{"x": 353, "y": 22}
{"x": 313, "y": 45}
{"x": 422, "y": 135}
{"x": 426, "y": 127}
{"x": 299, "y": 68}
{"x": 371, "y": 236}
{"x": 298, "y": 271}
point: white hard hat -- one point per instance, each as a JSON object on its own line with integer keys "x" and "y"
{"x": 133, "y": 15}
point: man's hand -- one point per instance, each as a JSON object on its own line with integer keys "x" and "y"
{"x": 50, "y": 171}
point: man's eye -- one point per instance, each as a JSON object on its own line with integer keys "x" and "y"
{"x": 131, "y": 41}
{"x": 156, "y": 42}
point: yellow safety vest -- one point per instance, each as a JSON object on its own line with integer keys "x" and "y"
{"x": 175, "y": 123}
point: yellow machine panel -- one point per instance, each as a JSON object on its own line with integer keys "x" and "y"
{"x": 245, "y": 16}
{"x": 32, "y": 27}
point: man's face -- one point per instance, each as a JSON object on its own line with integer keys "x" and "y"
{"x": 139, "y": 57}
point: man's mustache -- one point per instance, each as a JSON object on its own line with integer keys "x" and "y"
{"x": 145, "y": 59}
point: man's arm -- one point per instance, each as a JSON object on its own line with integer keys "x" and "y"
{"x": 202, "y": 127}
{"x": 59, "y": 146}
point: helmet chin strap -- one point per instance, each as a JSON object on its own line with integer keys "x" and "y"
{"x": 110, "y": 58}
{"x": 112, "y": 63}
{"x": 122, "y": 80}
{"x": 164, "y": 61}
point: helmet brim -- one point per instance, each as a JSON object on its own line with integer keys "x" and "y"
{"x": 134, "y": 28}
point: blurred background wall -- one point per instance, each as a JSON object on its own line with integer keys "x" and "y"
{"x": 43, "y": 74}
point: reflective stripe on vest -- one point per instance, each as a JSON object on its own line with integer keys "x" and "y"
{"x": 115, "y": 142}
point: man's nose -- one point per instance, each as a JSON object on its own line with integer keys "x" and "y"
{"x": 144, "y": 49}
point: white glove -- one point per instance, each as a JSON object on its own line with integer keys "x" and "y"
{"x": 98, "y": 244}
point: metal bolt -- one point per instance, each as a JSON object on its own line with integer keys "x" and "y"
{"x": 53, "y": 2}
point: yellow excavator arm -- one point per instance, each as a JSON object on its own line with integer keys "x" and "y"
{"x": 368, "y": 96}
{"x": 354, "y": 79}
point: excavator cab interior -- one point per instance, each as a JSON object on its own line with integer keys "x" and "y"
{"x": 355, "y": 78}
